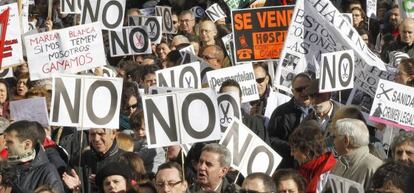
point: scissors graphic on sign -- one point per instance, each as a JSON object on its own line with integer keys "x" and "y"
{"x": 225, "y": 112}
{"x": 384, "y": 92}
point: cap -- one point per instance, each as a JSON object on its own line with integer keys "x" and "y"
{"x": 113, "y": 168}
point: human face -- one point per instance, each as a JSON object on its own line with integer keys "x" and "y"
{"x": 395, "y": 17}
{"x": 321, "y": 104}
{"x": 208, "y": 32}
{"x": 209, "y": 170}
{"x": 114, "y": 184}
{"x": 163, "y": 50}
{"x": 187, "y": 23}
{"x": 254, "y": 185}
{"x": 132, "y": 104}
{"x": 23, "y": 68}
{"x": 3, "y": 93}
{"x": 150, "y": 80}
{"x": 21, "y": 88}
{"x": 231, "y": 89}
{"x": 357, "y": 17}
{"x": 298, "y": 155}
{"x": 365, "y": 38}
{"x": 209, "y": 55}
{"x": 402, "y": 76}
{"x": 407, "y": 32}
{"x": 140, "y": 132}
{"x": 168, "y": 181}
{"x": 405, "y": 152}
{"x": 101, "y": 139}
{"x": 262, "y": 79}
{"x": 173, "y": 152}
{"x": 16, "y": 147}
{"x": 297, "y": 89}
{"x": 339, "y": 144}
{"x": 176, "y": 24}
{"x": 287, "y": 186}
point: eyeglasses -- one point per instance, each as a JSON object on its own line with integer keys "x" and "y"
{"x": 251, "y": 191}
{"x": 300, "y": 89}
{"x": 186, "y": 20}
{"x": 168, "y": 184}
{"x": 260, "y": 80}
{"x": 205, "y": 57}
{"x": 134, "y": 106}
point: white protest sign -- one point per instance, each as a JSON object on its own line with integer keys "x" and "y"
{"x": 393, "y": 105}
{"x": 174, "y": 118}
{"x": 214, "y": 12}
{"x": 406, "y": 8}
{"x": 182, "y": 76}
{"x": 228, "y": 45}
{"x": 6, "y": 73}
{"x": 71, "y": 6}
{"x": 198, "y": 11}
{"x": 131, "y": 40}
{"x": 37, "y": 112}
{"x": 317, "y": 27}
{"x": 249, "y": 153}
{"x": 167, "y": 23}
{"x": 12, "y": 52}
{"x": 153, "y": 23}
{"x": 337, "y": 71}
{"x": 371, "y": 8}
{"x": 339, "y": 185}
{"x": 187, "y": 49}
{"x": 150, "y": 11}
{"x": 243, "y": 74}
{"x": 86, "y": 101}
{"x": 163, "y": 90}
{"x": 109, "y": 13}
{"x": 69, "y": 50}
{"x": 274, "y": 100}
{"x": 229, "y": 107}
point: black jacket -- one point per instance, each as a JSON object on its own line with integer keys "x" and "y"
{"x": 38, "y": 172}
{"x": 255, "y": 123}
{"x": 226, "y": 187}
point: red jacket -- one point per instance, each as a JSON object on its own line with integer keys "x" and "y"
{"x": 313, "y": 169}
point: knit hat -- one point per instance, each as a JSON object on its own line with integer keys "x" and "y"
{"x": 113, "y": 168}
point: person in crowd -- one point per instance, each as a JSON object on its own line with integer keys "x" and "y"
{"x": 405, "y": 74}
{"x": 131, "y": 100}
{"x": 125, "y": 142}
{"x": 404, "y": 43}
{"x": 135, "y": 163}
{"x": 178, "y": 40}
{"x": 287, "y": 117}
{"x": 103, "y": 150}
{"x": 152, "y": 157}
{"x": 4, "y": 99}
{"x": 394, "y": 21}
{"x": 22, "y": 86}
{"x": 402, "y": 147}
{"x": 213, "y": 55}
{"x": 323, "y": 107}
{"x": 187, "y": 22}
{"x": 263, "y": 82}
{"x": 176, "y": 23}
{"x": 308, "y": 148}
{"x": 358, "y": 18}
{"x": 28, "y": 157}
{"x": 208, "y": 33}
{"x": 395, "y": 177}
{"x": 169, "y": 178}
{"x": 148, "y": 77}
{"x": 8, "y": 176}
{"x": 289, "y": 181}
{"x": 212, "y": 167}
{"x": 253, "y": 122}
{"x": 258, "y": 182}
{"x": 351, "y": 139}
{"x": 162, "y": 50}
{"x": 114, "y": 177}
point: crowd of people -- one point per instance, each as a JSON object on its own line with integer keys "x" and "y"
{"x": 314, "y": 134}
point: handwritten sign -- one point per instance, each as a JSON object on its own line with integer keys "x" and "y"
{"x": 12, "y": 52}
{"x": 69, "y": 50}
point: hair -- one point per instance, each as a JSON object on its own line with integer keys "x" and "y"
{"x": 355, "y": 130}
{"x": 30, "y": 130}
{"x": 129, "y": 90}
{"x": 45, "y": 188}
{"x": 147, "y": 185}
{"x": 401, "y": 139}
{"x": 308, "y": 139}
{"x": 181, "y": 38}
{"x": 218, "y": 51}
{"x": 267, "y": 181}
{"x": 301, "y": 75}
{"x": 4, "y": 82}
{"x": 230, "y": 82}
{"x": 265, "y": 67}
{"x": 224, "y": 153}
{"x": 129, "y": 11}
{"x": 149, "y": 69}
{"x": 171, "y": 165}
{"x": 125, "y": 142}
{"x": 408, "y": 66}
{"x": 347, "y": 112}
{"x": 136, "y": 164}
{"x": 136, "y": 119}
{"x": 399, "y": 174}
{"x": 363, "y": 15}
{"x": 290, "y": 174}
{"x": 185, "y": 12}
{"x": 175, "y": 57}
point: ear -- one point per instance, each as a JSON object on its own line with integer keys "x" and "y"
{"x": 223, "y": 171}
{"x": 28, "y": 144}
{"x": 346, "y": 141}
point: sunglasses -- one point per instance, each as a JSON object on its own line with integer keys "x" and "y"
{"x": 260, "y": 80}
{"x": 300, "y": 89}
{"x": 134, "y": 106}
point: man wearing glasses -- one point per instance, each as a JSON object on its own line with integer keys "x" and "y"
{"x": 169, "y": 178}
{"x": 187, "y": 22}
{"x": 287, "y": 117}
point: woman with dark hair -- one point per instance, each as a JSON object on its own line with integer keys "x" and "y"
{"x": 405, "y": 73}
{"x": 393, "y": 177}
{"x": 22, "y": 86}
{"x": 130, "y": 102}
{"x": 135, "y": 163}
{"x": 4, "y": 99}
{"x": 308, "y": 148}
{"x": 289, "y": 180}
{"x": 358, "y": 18}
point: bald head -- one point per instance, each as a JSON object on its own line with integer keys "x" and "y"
{"x": 407, "y": 31}
{"x": 208, "y": 31}
{"x": 214, "y": 55}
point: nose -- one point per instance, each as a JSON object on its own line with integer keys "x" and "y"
{"x": 404, "y": 156}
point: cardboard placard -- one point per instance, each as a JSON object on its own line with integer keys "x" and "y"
{"x": 131, "y": 40}
{"x": 182, "y": 76}
{"x": 198, "y": 11}
{"x": 215, "y": 13}
{"x": 37, "y": 112}
{"x": 167, "y": 23}
{"x": 69, "y": 50}
{"x": 243, "y": 74}
{"x": 109, "y": 13}
{"x": 259, "y": 33}
{"x": 337, "y": 71}
{"x": 229, "y": 108}
{"x": 71, "y": 6}
{"x": 6, "y": 73}
{"x": 371, "y": 9}
{"x": 339, "y": 184}
{"x": 86, "y": 101}
{"x": 153, "y": 23}
{"x": 4, "y": 20}
{"x": 12, "y": 52}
